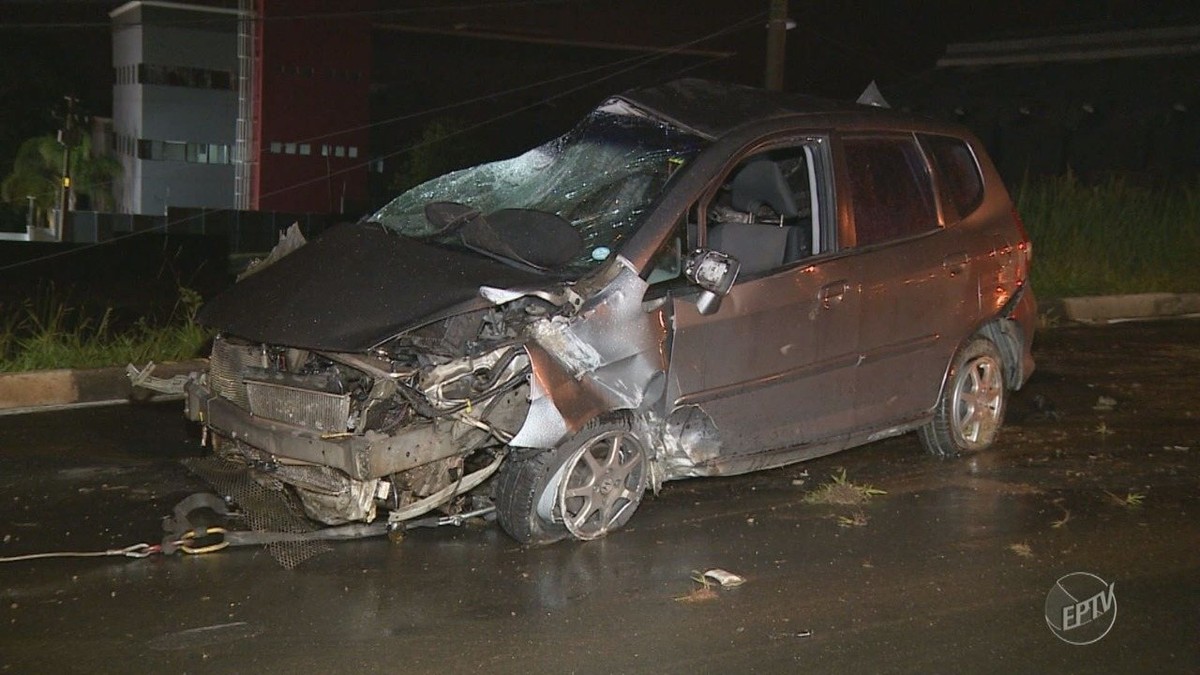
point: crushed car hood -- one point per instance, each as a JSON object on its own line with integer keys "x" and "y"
{"x": 352, "y": 288}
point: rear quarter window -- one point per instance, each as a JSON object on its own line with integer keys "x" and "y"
{"x": 959, "y": 180}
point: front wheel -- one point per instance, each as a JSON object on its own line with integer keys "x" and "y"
{"x": 969, "y": 413}
{"x": 584, "y": 488}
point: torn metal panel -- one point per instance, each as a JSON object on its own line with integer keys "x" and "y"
{"x": 611, "y": 355}
{"x": 690, "y": 439}
{"x": 289, "y": 241}
{"x": 145, "y": 379}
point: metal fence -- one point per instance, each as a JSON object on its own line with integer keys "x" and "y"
{"x": 245, "y": 232}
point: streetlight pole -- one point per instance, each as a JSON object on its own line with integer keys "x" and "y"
{"x": 67, "y": 138}
{"x": 777, "y": 25}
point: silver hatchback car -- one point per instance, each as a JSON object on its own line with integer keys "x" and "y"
{"x": 700, "y": 279}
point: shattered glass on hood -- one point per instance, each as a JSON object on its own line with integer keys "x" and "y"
{"x": 601, "y": 177}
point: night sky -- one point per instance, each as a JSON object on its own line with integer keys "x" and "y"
{"x": 57, "y": 47}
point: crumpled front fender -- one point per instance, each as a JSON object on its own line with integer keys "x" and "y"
{"x": 609, "y": 355}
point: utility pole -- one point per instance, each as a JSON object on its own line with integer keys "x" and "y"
{"x": 68, "y": 136}
{"x": 777, "y": 25}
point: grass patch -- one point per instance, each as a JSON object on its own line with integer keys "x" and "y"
{"x": 1113, "y": 237}
{"x": 48, "y": 333}
{"x": 1130, "y": 500}
{"x": 840, "y": 491}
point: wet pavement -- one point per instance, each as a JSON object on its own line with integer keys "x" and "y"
{"x": 947, "y": 572}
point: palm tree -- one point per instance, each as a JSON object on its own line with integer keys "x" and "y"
{"x": 37, "y": 172}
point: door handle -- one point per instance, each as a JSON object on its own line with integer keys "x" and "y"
{"x": 832, "y": 294}
{"x": 955, "y": 263}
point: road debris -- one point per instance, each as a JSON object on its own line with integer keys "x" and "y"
{"x": 707, "y": 581}
{"x": 1022, "y": 549}
{"x": 793, "y": 634}
{"x": 725, "y": 578}
{"x": 144, "y": 378}
{"x": 840, "y": 491}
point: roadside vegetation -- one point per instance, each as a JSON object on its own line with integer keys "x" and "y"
{"x": 1113, "y": 237}
{"x": 49, "y": 332}
{"x": 1117, "y": 236}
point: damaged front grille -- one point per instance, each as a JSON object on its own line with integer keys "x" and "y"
{"x": 226, "y": 365}
{"x": 316, "y": 410}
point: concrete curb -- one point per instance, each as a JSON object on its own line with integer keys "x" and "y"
{"x": 53, "y": 389}
{"x": 1099, "y": 309}
{"x": 41, "y": 390}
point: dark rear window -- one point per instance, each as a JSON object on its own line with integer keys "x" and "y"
{"x": 890, "y": 189}
{"x": 959, "y": 179}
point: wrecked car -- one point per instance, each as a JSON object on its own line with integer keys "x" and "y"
{"x": 700, "y": 279}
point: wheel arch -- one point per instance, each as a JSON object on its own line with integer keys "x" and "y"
{"x": 1008, "y": 337}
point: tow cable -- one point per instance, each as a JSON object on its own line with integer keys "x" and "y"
{"x": 192, "y": 538}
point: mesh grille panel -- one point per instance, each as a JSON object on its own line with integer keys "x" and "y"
{"x": 316, "y": 410}
{"x": 225, "y": 368}
{"x": 270, "y": 508}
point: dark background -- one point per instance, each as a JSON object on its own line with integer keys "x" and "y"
{"x": 441, "y": 100}
{"x": 52, "y": 48}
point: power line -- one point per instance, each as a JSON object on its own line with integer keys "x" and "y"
{"x": 642, "y": 61}
{"x": 679, "y": 49}
{"x": 434, "y": 110}
{"x": 232, "y": 15}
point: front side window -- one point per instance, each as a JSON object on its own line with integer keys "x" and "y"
{"x": 766, "y": 212}
{"x": 890, "y": 189}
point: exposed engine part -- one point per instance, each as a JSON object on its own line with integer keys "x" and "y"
{"x": 466, "y": 484}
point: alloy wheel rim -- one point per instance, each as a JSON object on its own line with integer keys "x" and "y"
{"x": 602, "y": 485}
{"x": 978, "y": 398}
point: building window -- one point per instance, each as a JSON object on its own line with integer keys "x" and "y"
{"x": 197, "y": 153}
{"x": 325, "y": 150}
{"x": 145, "y": 149}
{"x": 353, "y": 151}
{"x": 175, "y": 151}
{"x": 178, "y": 151}
{"x": 305, "y": 149}
{"x": 181, "y": 76}
{"x": 276, "y": 147}
{"x": 339, "y": 151}
{"x": 289, "y": 148}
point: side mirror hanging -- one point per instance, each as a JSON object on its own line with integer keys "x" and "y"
{"x": 714, "y": 273}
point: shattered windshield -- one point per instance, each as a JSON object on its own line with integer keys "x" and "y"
{"x": 601, "y": 177}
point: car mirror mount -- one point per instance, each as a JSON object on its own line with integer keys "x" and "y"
{"x": 714, "y": 273}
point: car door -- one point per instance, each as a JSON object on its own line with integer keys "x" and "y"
{"x": 773, "y": 366}
{"x": 918, "y": 286}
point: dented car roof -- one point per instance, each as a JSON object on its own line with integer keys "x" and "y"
{"x": 713, "y": 109}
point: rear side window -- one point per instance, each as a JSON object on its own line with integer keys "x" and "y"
{"x": 958, "y": 174}
{"x": 891, "y": 193}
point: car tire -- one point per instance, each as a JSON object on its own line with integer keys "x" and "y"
{"x": 585, "y": 488}
{"x": 971, "y": 408}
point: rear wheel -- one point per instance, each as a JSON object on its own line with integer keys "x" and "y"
{"x": 971, "y": 409}
{"x": 585, "y": 488}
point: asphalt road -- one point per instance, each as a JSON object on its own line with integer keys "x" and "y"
{"x": 948, "y": 571}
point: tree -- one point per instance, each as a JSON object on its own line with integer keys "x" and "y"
{"x": 37, "y": 172}
{"x": 442, "y": 148}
